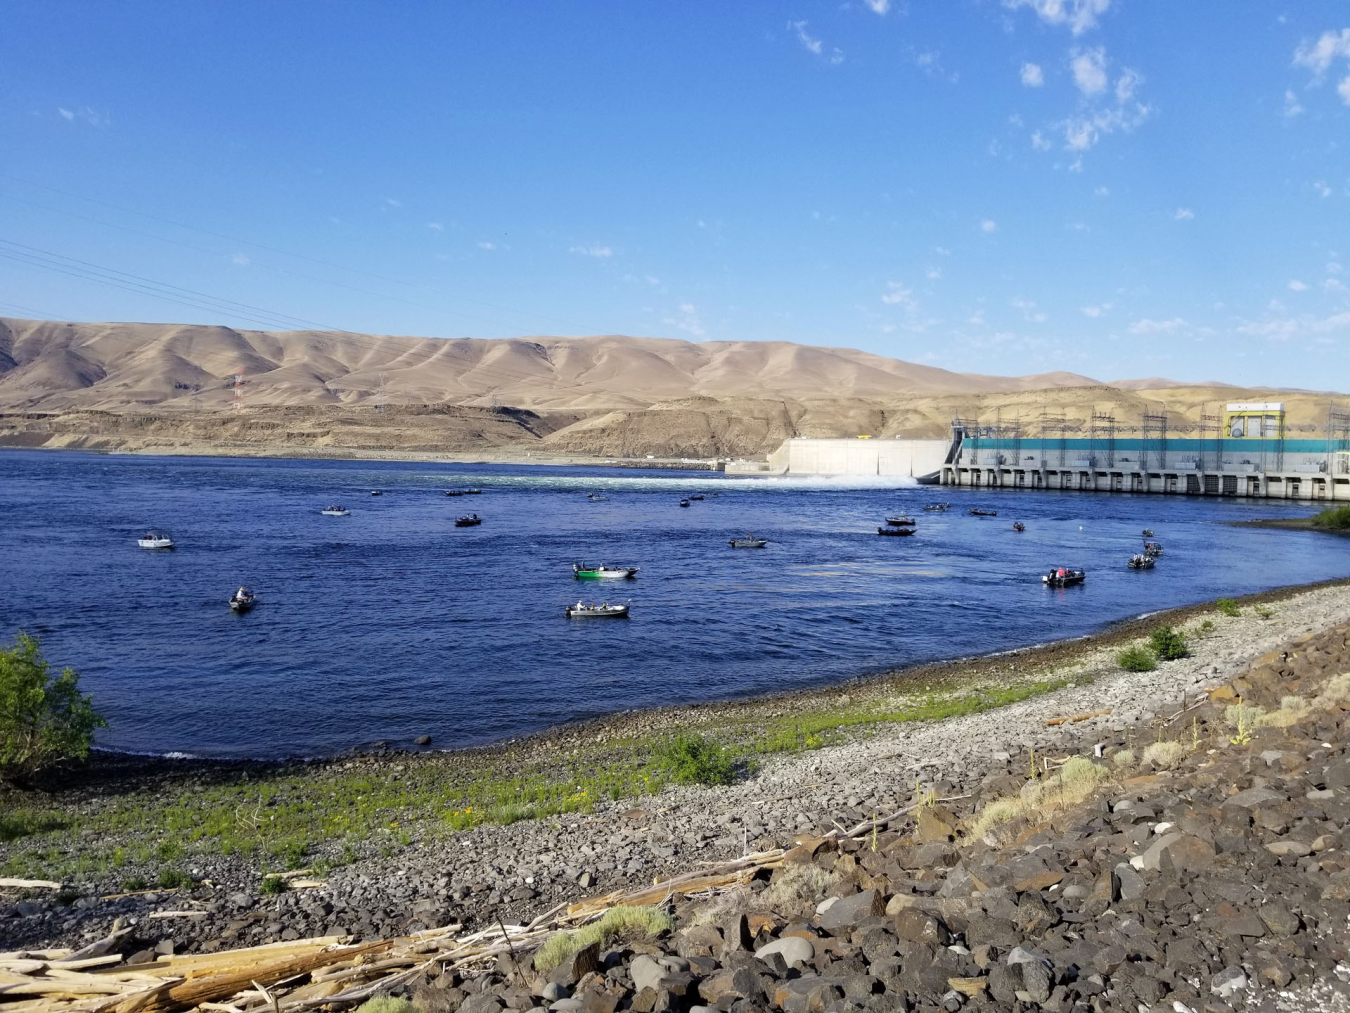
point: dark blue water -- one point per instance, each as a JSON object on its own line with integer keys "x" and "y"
{"x": 392, "y": 622}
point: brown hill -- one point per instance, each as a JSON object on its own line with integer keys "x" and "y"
{"x": 49, "y": 365}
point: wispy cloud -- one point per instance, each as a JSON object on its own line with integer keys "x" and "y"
{"x": 934, "y": 273}
{"x": 1183, "y": 214}
{"x": 84, "y": 114}
{"x": 897, "y": 294}
{"x": 601, "y": 252}
{"x": 1084, "y": 129}
{"x": 1078, "y": 15}
{"x": 878, "y": 6}
{"x": 833, "y": 55}
{"x": 436, "y": 225}
{"x": 1291, "y": 104}
{"x": 1148, "y": 326}
{"x": 1297, "y": 286}
{"x": 484, "y": 244}
{"x": 1032, "y": 75}
{"x": 988, "y": 226}
{"x": 1102, "y": 191}
{"x": 1039, "y": 141}
{"x": 240, "y": 259}
{"x": 687, "y": 320}
{"x": 1322, "y": 189}
{"x": 1318, "y": 57}
{"x": 393, "y": 203}
{"x": 1029, "y": 310}
{"x": 1277, "y": 327}
{"x": 930, "y": 62}
{"x": 1096, "y": 311}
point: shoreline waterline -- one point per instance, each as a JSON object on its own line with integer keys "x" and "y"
{"x": 950, "y": 675}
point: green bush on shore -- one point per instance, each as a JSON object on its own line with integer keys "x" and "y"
{"x": 692, "y": 759}
{"x": 44, "y": 719}
{"x": 1334, "y": 518}
{"x": 1228, "y": 607}
{"x": 1137, "y": 659}
{"x": 1167, "y": 643}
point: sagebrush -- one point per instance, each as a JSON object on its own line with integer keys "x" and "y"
{"x": 44, "y": 718}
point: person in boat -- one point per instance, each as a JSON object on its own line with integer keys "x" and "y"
{"x": 1061, "y": 572}
{"x": 242, "y": 593}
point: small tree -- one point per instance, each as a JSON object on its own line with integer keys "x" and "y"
{"x": 43, "y": 718}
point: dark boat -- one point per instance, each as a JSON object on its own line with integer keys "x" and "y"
{"x": 1148, "y": 532}
{"x": 602, "y": 611}
{"x": 1141, "y": 561}
{"x": 1019, "y": 526}
{"x": 697, "y": 495}
{"x": 1064, "y": 576}
{"x": 684, "y": 502}
{"x": 895, "y": 532}
{"x": 940, "y": 508}
{"x": 469, "y": 521}
{"x": 243, "y": 600}
{"x": 454, "y": 492}
{"x": 903, "y": 521}
{"x": 1153, "y": 548}
{"x": 473, "y": 492}
{"x": 978, "y": 512}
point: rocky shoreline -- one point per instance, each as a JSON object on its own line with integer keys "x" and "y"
{"x": 519, "y": 870}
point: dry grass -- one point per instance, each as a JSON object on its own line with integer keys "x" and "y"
{"x": 388, "y": 1004}
{"x": 1241, "y": 715}
{"x": 727, "y": 903}
{"x": 1335, "y": 693}
{"x": 1164, "y": 755}
{"x": 797, "y": 886}
{"x": 1123, "y": 758}
{"x": 1074, "y": 783}
{"x": 1293, "y": 709}
{"x": 617, "y": 922}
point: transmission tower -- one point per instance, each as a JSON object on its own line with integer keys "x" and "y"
{"x": 238, "y": 404}
{"x": 381, "y": 399}
{"x": 1338, "y": 440}
{"x": 1104, "y": 426}
{"x": 1211, "y": 441}
{"x": 1155, "y": 433}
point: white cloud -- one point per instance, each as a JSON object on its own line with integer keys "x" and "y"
{"x": 1183, "y": 214}
{"x": 239, "y": 259}
{"x": 897, "y": 294}
{"x": 1291, "y": 104}
{"x": 393, "y": 203}
{"x": 688, "y": 321}
{"x": 1147, "y": 326}
{"x": 1297, "y": 286}
{"x": 1028, "y": 309}
{"x": 1089, "y": 70}
{"x": 878, "y": 6}
{"x": 1128, "y": 81}
{"x": 66, "y": 113}
{"x": 1333, "y": 267}
{"x": 934, "y": 273}
{"x": 942, "y": 251}
{"x": 988, "y": 225}
{"x": 1032, "y": 75}
{"x": 814, "y": 45}
{"x": 593, "y": 251}
{"x": 84, "y": 114}
{"x": 1102, "y": 191}
{"x": 1333, "y": 285}
{"x": 1039, "y": 141}
{"x": 436, "y": 225}
{"x": 1320, "y": 55}
{"x": 1079, "y": 15}
{"x": 483, "y": 244}
{"x": 1097, "y": 311}
{"x": 1283, "y": 328}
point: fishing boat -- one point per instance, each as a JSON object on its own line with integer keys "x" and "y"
{"x": 697, "y": 495}
{"x": 468, "y": 522}
{"x": 939, "y": 508}
{"x": 684, "y": 502}
{"x": 376, "y": 492}
{"x": 748, "y": 542}
{"x": 1148, "y": 532}
{"x": 1141, "y": 561}
{"x": 243, "y": 600}
{"x": 335, "y": 511}
{"x": 595, "y": 497}
{"x": 1019, "y": 526}
{"x": 155, "y": 540}
{"x": 602, "y": 611}
{"x": 903, "y": 521}
{"x": 454, "y": 492}
{"x": 583, "y": 572}
{"x": 1153, "y": 548}
{"x": 896, "y": 532}
{"x": 1063, "y": 576}
{"x": 979, "y": 512}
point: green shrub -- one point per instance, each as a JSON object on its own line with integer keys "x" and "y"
{"x": 388, "y": 1004}
{"x": 174, "y": 879}
{"x": 132, "y": 884}
{"x": 44, "y": 719}
{"x": 1136, "y": 659}
{"x": 692, "y": 759}
{"x": 616, "y": 923}
{"x": 1207, "y": 625}
{"x": 1333, "y": 518}
{"x": 1228, "y": 607}
{"x": 1167, "y": 643}
{"x": 273, "y": 885}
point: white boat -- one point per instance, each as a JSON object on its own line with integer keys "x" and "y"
{"x": 335, "y": 511}
{"x": 748, "y": 542}
{"x": 155, "y": 540}
{"x": 602, "y": 611}
{"x": 583, "y": 572}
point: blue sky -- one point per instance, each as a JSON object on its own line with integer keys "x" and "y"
{"x": 1115, "y": 187}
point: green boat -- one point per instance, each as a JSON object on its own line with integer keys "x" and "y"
{"x": 583, "y": 572}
